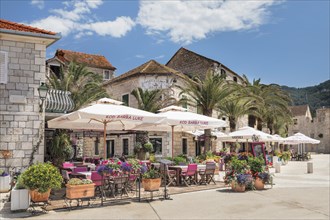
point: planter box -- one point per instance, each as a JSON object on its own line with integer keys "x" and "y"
{"x": 151, "y": 184}
{"x": 80, "y": 191}
{"x": 4, "y": 184}
{"x": 20, "y": 199}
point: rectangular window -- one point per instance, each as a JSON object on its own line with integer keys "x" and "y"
{"x": 96, "y": 147}
{"x": 295, "y": 121}
{"x": 184, "y": 101}
{"x": 125, "y": 99}
{"x": 157, "y": 144}
{"x": 199, "y": 110}
{"x": 184, "y": 146}
{"x": 106, "y": 74}
{"x": 3, "y": 67}
{"x": 125, "y": 146}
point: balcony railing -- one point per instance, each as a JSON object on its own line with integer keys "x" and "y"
{"x": 59, "y": 101}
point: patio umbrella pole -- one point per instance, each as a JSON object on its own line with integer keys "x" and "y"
{"x": 104, "y": 138}
{"x": 172, "y": 126}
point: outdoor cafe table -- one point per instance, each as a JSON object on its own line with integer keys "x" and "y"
{"x": 179, "y": 168}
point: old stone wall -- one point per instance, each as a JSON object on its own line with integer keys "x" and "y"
{"x": 20, "y": 120}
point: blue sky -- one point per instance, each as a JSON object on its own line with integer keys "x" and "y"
{"x": 283, "y": 42}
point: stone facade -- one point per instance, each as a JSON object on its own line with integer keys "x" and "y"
{"x": 317, "y": 127}
{"x": 21, "y": 124}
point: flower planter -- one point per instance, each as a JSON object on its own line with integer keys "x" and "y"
{"x": 4, "y": 184}
{"x": 237, "y": 187}
{"x": 80, "y": 191}
{"x": 151, "y": 184}
{"x": 259, "y": 184}
{"x": 39, "y": 197}
{"x": 20, "y": 199}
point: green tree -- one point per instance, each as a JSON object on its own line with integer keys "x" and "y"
{"x": 207, "y": 94}
{"x": 234, "y": 107}
{"x": 151, "y": 101}
{"x": 84, "y": 85}
{"x": 271, "y": 103}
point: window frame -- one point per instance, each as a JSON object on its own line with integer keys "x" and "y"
{"x": 184, "y": 148}
{"x": 5, "y": 66}
{"x": 122, "y": 99}
{"x": 123, "y": 146}
{"x": 104, "y": 72}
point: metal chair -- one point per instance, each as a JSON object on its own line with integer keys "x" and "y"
{"x": 207, "y": 175}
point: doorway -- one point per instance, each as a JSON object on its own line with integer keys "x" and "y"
{"x": 110, "y": 148}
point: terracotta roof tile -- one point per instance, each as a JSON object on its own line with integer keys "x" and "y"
{"x": 84, "y": 58}
{"x": 298, "y": 110}
{"x": 150, "y": 67}
{"x": 9, "y": 25}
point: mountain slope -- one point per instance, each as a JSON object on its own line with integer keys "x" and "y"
{"x": 315, "y": 96}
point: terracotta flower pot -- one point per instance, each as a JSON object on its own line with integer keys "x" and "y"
{"x": 151, "y": 184}
{"x": 39, "y": 197}
{"x": 259, "y": 184}
{"x": 237, "y": 187}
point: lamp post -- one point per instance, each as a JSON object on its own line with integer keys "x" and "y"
{"x": 42, "y": 90}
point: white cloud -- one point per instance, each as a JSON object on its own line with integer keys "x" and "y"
{"x": 188, "y": 21}
{"x": 116, "y": 28}
{"x": 140, "y": 56}
{"x": 38, "y": 3}
{"x": 159, "y": 57}
{"x": 74, "y": 19}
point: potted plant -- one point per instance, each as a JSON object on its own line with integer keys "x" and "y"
{"x": 4, "y": 181}
{"x": 40, "y": 178}
{"x": 261, "y": 179}
{"x": 20, "y": 197}
{"x": 77, "y": 188}
{"x": 151, "y": 180}
{"x": 239, "y": 182}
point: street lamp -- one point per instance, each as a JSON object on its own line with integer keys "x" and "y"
{"x": 42, "y": 90}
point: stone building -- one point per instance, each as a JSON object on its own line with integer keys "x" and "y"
{"x": 153, "y": 75}
{"x": 193, "y": 64}
{"x": 317, "y": 127}
{"x": 95, "y": 63}
{"x": 23, "y": 56}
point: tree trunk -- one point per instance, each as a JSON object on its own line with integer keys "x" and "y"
{"x": 232, "y": 124}
{"x": 207, "y": 132}
{"x": 259, "y": 124}
{"x": 207, "y": 141}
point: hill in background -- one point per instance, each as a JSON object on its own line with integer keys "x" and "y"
{"x": 315, "y": 96}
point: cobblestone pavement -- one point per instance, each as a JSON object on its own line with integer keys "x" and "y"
{"x": 295, "y": 195}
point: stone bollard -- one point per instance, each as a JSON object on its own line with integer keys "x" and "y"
{"x": 310, "y": 167}
{"x": 277, "y": 167}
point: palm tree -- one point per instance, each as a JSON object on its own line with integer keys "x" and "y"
{"x": 207, "y": 94}
{"x": 235, "y": 107}
{"x": 84, "y": 85}
{"x": 271, "y": 103}
{"x": 151, "y": 100}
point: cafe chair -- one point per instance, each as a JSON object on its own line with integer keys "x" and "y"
{"x": 98, "y": 181}
{"x": 207, "y": 175}
{"x": 80, "y": 169}
{"x": 190, "y": 174}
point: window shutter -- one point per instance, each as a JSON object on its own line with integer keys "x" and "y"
{"x": 3, "y": 67}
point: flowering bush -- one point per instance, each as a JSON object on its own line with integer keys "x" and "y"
{"x": 3, "y": 173}
{"x": 244, "y": 156}
{"x": 117, "y": 166}
{"x": 243, "y": 178}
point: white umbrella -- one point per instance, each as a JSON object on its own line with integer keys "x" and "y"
{"x": 104, "y": 114}
{"x": 217, "y": 134}
{"x": 248, "y": 134}
{"x": 300, "y": 138}
{"x": 277, "y": 138}
{"x": 178, "y": 119}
